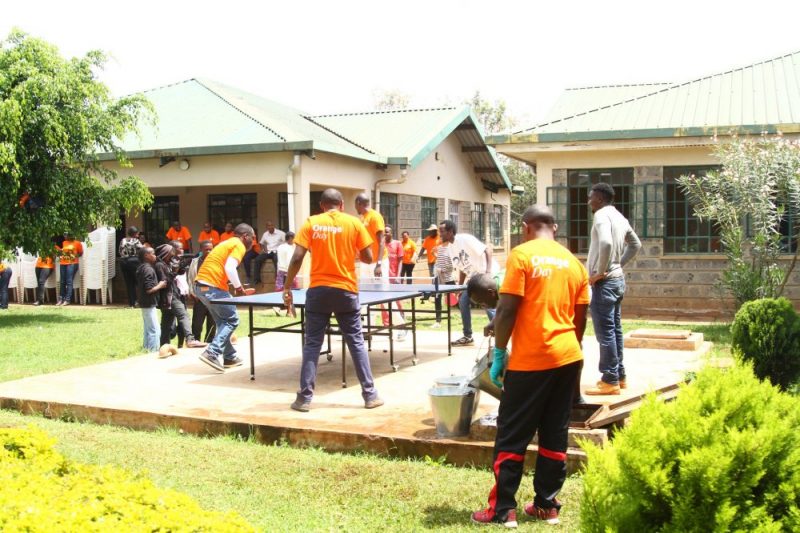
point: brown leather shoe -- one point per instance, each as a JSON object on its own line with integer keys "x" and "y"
{"x": 623, "y": 384}
{"x": 602, "y": 388}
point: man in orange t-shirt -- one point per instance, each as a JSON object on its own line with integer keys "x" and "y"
{"x": 375, "y": 225}
{"x": 542, "y": 310}
{"x": 429, "y": 246}
{"x": 180, "y": 233}
{"x": 209, "y": 234}
{"x": 228, "y": 233}
{"x": 71, "y": 252}
{"x": 334, "y": 238}
{"x": 218, "y": 269}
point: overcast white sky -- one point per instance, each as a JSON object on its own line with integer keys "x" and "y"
{"x": 331, "y": 56}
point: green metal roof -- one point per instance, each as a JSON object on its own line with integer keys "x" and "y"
{"x": 581, "y": 99}
{"x": 201, "y": 117}
{"x": 764, "y": 96}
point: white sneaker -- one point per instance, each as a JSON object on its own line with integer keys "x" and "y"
{"x": 436, "y": 325}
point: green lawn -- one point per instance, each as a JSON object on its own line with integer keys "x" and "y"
{"x": 278, "y": 488}
{"x": 274, "y": 487}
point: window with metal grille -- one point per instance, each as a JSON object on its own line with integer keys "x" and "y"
{"x": 496, "y": 225}
{"x": 479, "y": 221}
{"x": 428, "y": 212}
{"x": 684, "y": 233}
{"x": 453, "y": 213}
{"x": 388, "y": 209}
{"x": 233, "y": 208}
{"x": 283, "y": 211}
{"x": 159, "y": 218}
{"x": 569, "y": 202}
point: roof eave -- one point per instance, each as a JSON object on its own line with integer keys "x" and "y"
{"x": 213, "y": 150}
{"x": 700, "y": 131}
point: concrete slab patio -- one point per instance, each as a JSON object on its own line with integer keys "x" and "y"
{"x": 147, "y": 393}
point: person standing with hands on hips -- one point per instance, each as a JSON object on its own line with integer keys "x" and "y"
{"x": 613, "y": 244}
{"x": 334, "y": 238}
{"x": 211, "y": 283}
{"x": 542, "y": 310}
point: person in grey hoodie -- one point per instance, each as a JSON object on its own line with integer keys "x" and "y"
{"x": 613, "y": 244}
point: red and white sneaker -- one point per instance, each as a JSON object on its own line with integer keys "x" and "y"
{"x": 488, "y": 516}
{"x": 540, "y": 513}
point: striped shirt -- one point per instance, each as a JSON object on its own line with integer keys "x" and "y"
{"x": 444, "y": 267}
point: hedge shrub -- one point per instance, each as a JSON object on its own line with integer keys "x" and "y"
{"x": 766, "y": 333}
{"x": 42, "y": 491}
{"x": 724, "y": 456}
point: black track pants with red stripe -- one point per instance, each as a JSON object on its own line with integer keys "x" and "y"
{"x": 533, "y": 401}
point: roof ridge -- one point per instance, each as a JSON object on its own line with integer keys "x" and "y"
{"x": 329, "y": 130}
{"x": 384, "y": 111}
{"x": 215, "y": 93}
{"x": 615, "y": 86}
{"x": 664, "y": 89}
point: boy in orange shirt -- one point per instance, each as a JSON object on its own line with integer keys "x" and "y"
{"x": 180, "y": 233}
{"x": 228, "y": 233}
{"x": 334, "y": 239}
{"x": 542, "y": 310}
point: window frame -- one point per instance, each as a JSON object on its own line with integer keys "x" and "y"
{"x": 479, "y": 220}
{"x": 218, "y": 221}
{"x": 428, "y": 213}
{"x": 156, "y": 226}
{"x": 389, "y": 209}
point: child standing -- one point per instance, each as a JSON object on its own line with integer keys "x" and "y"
{"x": 147, "y": 286}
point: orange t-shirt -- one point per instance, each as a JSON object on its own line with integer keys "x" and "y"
{"x": 225, "y": 235}
{"x": 551, "y": 282}
{"x": 71, "y": 251}
{"x": 45, "y": 262}
{"x": 334, "y": 240}
{"x": 212, "y": 271}
{"x": 212, "y": 236}
{"x": 409, "y": 249}
{"x": 429, "y": 244}
{"x": 183, "y": 235}
{"x": 373, "y": 221}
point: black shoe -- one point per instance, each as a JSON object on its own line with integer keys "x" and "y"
{"x": 211, "y": 360}
{"x": 236, "y": 361}
{"x": 301, "y": 405}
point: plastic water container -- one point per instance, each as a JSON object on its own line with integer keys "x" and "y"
{"x": 453, "y": 409}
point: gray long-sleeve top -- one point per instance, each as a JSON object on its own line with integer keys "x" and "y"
{"x": 613, "y": 244}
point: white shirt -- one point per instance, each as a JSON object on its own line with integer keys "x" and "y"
{"x": 285, "y": 253}
{"x": 467, "y": 254}
{"x": 270, "y": 241}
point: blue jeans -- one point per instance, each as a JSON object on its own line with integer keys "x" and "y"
{"x": 41, "y": 279}
{"x": 225, "y": 319}
{"x": 321, "y": 302}
{"x": 67, "y": 278}
{"x": 5, "y": 278}
{"x": 152, "y": 329}
{"x": 606, "y": 318}
{"x": 466, "y": 313}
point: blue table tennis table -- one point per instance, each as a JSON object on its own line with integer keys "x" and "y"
{"x": 370, "y": 295}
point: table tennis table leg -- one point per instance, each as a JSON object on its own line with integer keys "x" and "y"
{"x": 344, "y": 376}
{"x": 449, "y": 334}
{"x": 414, "y": 330}
{"x": 252, "y": 349}
{"x": 391, "y": 340}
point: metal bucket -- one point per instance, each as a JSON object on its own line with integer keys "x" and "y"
{"x": 482, "y": 380}
{"x": 450, "y": 381}
{"x": 453, "y": 409}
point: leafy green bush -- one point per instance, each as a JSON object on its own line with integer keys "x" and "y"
{"x": 767, "y": 333}
{"x": 42, "y": 491}
{"x": 724, "y": 456}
